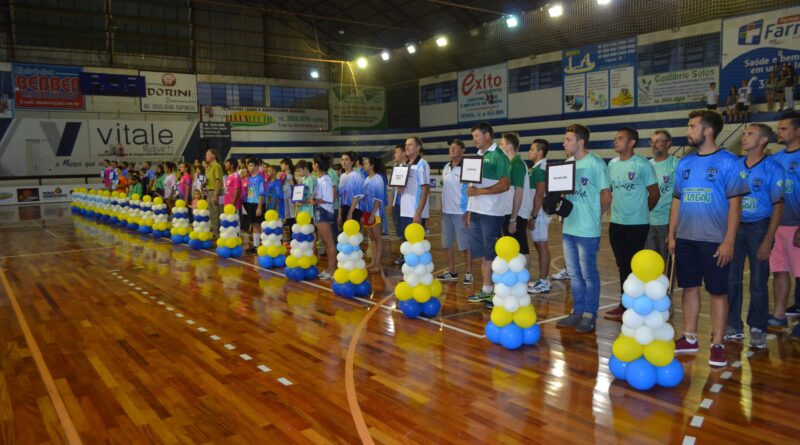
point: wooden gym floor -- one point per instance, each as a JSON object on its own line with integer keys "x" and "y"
{"x": 108, "y": 336}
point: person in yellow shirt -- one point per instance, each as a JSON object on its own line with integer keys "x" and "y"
{"x": 214, "y": 187}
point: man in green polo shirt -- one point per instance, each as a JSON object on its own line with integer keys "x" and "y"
{"x": 520, "y": 195}
{"x": 214, "y": 187}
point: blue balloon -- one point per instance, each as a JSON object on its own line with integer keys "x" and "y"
{"x": 511, "y": 336}
{"x": 671, "y": 375}
{"x": 497, "y": 278}
{"x": 411, "y": 308}
{"x": 641, "y": 374}
{"x": 177, "y": 239}
{"x": 492, "y": 333}
{"x": 617, "y": 368}
{"x": 531, "y": 335}
{"x": 224, "y": 252}
{"x": 186, "y": 239}
{"x": 509, "y": 278}
{"x": 348, "y": 290}
{"x": 425, "y": 258}
{"x": 207, "y": 244}
{"x": 364, "y": 289}
{"x": 237, "y": 251}
{"x": 339, "y": 247}
{"x": 265, "y": 262}
{"x": 662, "y": 304}
{"x": 412, "y": 260}
{"x": 523, "y": 276}
{"x": 643, "y": 305}
{"x": 431, "y": 307}
{"x": 310, "y": 273}
{"x": 279, "y": 261}
{"x": 627, "y": 301}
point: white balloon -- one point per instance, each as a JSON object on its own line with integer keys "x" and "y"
{"x": 517, "y": 263}
{"x": 357, "y": 255}
{"x": 525, "y": 300}
{"x": 360, "y": 264}
{"x": 418, "y": 248}
{"x": 420, "y": 269}
{"x": 411, "y": 279}
{"x": 406, "y": 269}
{"x": 343, "y": 238}
{"x": 426, "y": 279}
{"x": 307, "y": 229}
{"x": 356, "y": 239}
{"x": 405, "y": 248}
{"x": 342, "y": 258}
{"x": 519, "y": 290}
{"x": 294, "y": 244}
{"x": 346, "y": 265}
{"x": 631, "y": 319}
{"x": 499, "y": 265}
{"x": 663, "y": 280}
{"x": 426, "y": 245}
{"x": 654, "y": 320}
{"x": 666, "y": 332}
{"x": 643, "y": 335}
{"x": 429, "y": 267}
{"x": 511, "y": 304}
{"x": 633, "y": 286}
{"x": 295, "y": 228}
{"x": 502, "y": 290}
{"x": 665, "y": 314}
{"x": 629, "y": 331}
{"x": 655, "y": 290}
{"x": 498, "y": 300}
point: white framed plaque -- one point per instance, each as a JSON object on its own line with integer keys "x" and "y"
{"x": 561, "y": 177}
{"x": 399, "y": 175}
{"x": 297, "y": 193}
{"x": 472, "y": 169}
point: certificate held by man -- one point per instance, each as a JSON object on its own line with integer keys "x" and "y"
{"x": 561, "y": 177}
{"x": 472, "y": 169}
{"x": 399, "y": 176}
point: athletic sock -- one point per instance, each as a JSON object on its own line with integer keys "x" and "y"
{"x": 488, "y": 289}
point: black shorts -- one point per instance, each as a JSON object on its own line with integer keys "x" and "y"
{"x": 695, "y": 264}
{"x": 250, "y": 208}
{"x": 345, "y": 209}
{"x": 521, "y": 235}
{"x": 742, "y": 107}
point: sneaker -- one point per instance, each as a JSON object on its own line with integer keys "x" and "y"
{"x": 468, "y": 279}
{"x": 795, "y": 335}
{"x": 615, "y": 314}
{"x": 448, "y": 276}
{"x": 569, "y": 321}
{"x": 489, "y": 304}
{"x": 560, "y": 275}
{"x": 252, "y": 250}
{"x": 481, "y": 297}
{"x": 793, "y": 311}
{"x": 399, "y": 261}
{"x": 758, "y": 338}
{"x": 539, "y": 286}
{"x": 717, "y": 356}
{"x": 776, "y": 324}
{"x": 586, "y": 325}
{"x": 732, "y": 334}
{"x": 684, "y": 346}
{"x": 324, "y": 276}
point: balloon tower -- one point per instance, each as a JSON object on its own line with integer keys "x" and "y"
{"x": 350, "y": 278}
{"x": 134, "y": 212}
{"x": 124, "y": 209}
{"x": 271, "y": 253}
{"x": 146, "y": 216}
{"x": 302, "y": 263}
{"x": 644, "y": 353}
{"x": 113, "y": 211}
{"x": 513, "y": 318}
{"x": 200, "y": 236}
{"x": 180, "y": 223}
{"x": 160, "y": 218}
{"x": 229, "y": 243}
{"x": 419, "y": 292}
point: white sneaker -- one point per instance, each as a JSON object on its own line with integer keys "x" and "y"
{"x": 539, "y": 287}
{"x": 324, "y": 276}
{"x": 560, "y": 275}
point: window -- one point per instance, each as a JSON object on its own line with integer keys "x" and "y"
{"x": 534, "y": 77}
{"x": 230, "y": 95}
{"x": 438, "y": 93}
{"x": 679, "y": 54}
{"x": 298, "y": 97}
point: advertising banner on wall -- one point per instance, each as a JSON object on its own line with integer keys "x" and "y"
{"x": 362, "y": 107}
{"x": 600, "y": 77}
{"x": 753, "y": 45}
{"x": 676, "y": 87}
{"x": 39, "y": 194}
{"x": 47, "y": 87}
{"x": 169, "y": 92}
{"x": 34, "y": 147}
{"x": 268, "y": 118}
{"x": 483, "y": 93}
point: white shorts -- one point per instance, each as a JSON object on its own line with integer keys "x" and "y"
{"x": 540, "y": 226}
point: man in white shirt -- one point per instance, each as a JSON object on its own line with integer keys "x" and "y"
{"x": 712, "y": 97}
{"x": 743, "y": 102}
{"x": 454, "y": 215}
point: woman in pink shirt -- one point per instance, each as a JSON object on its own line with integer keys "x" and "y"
{"x": 233, "y": 186}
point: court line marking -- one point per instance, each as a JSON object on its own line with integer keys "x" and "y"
{"x": 688, "y": 440}
{"x": 58, "y": 252}
{"x": 70, "y": 431}
{"x": 697, "y": 421}
{"x": 706, "y": 403}
{"x": 716, "y": 388}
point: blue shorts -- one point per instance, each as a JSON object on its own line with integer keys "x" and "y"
{"x": 323, "y": 216}
{"x": 484, "y": 231}
{"x": 695, "y": 264}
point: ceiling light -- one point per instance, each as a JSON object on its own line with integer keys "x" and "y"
{"x": 411, "y": 48}
{"x": 603, "y": 2}
{"x": 314, "y": 74}
{"x": 556, "y": 10}
{"x": 361, "y": 62}
{"x": 385, "y": 55}
{"x": 512, "y": 21}
{"x": 441, "y": 41}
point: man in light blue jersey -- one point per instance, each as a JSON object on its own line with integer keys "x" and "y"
{"x": 582, "y": 229}
{"x": 761, "y": 212}
{"x": 664, "y": 165}
{"x": 704, "y": 219}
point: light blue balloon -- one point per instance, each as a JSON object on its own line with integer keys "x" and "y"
{"x": 497, "y": 278}
{"x": 641, "y": 374}
{"x": 509, "y": 278}
{"x": 425, "y": 258}
{"x": 412, "y": 260}
{"x": 627, "y": 301}
{"x": 670, "y": 375}
{"x": 643, "y": 306}
{"x": 523, "y": 276}
{"x": 662, "y": 304}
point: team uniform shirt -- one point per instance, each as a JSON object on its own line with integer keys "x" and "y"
{"x": 324, "y": 192}
{"x": 495, "y": 166}
{"x": 374, "y": 190}
{"x": 518, "y": 176}
{"x": 629, "y": 182}
{"x": 114, "y": 178}
{"x": 790, "y": 161}
{"x": 274, "y": 192}
{"x": 537, "y": 174}
{"x": 766, "y": 181}
{"x": 151, "y": 174}
{"x": 106, "y": 175}
{"x": 454, "y": 192}
{"x": 200, "y": 184}
{"x": 310, "y": 183}
{"x": 233, "y": 182}
{"x": 665, "y": 175}
{"x": 350, "y": 185}
{"x": 418, "y": 175}
{"x": 255, "y": 188}
{"x": 591, "y": 174}
{"x": 703, "y": 185}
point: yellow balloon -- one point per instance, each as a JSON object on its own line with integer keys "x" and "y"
{"x": 180, "y": 203}
{"x": 135, "y": 197}
{"x": 436, "y": 288}
{"x": 525, "y": 317}
{"x": 501, "y": 317}
{"x": 159, "y": 200}
{"x": 192, "y": 235}
{"x": 304, "y": 262}
{"x": 507, "y": 248}
{"x": 351, "y": 227}
{"x": 647, "y": 265}
{"x": 627, "y": 349}
{"x": 421, "y": 293}
{"x": 147, "y": 198}
{"x": 262, "y": 251}
{"x": 291, "y": 261}
{"x": 358, "y": 276}
{"x": 402, "y": 291}
{"x": 231, "y": 243}
{"x": 282, "y": 251}
{"x": 414, "y": 233}
{"x": 303, "y": 218}
{"x": 229, "y": 209}
{"x": 204, "y": 236}
{"x": 314, "y": 259}
{"x": 92, "y": 192}
{"x": 273, "y": 251}
{"x": 173, "y": 231}
{"x": 341, "y": 276}
{"x": 202, "y": 204}
{"x": 660, "y": 352}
